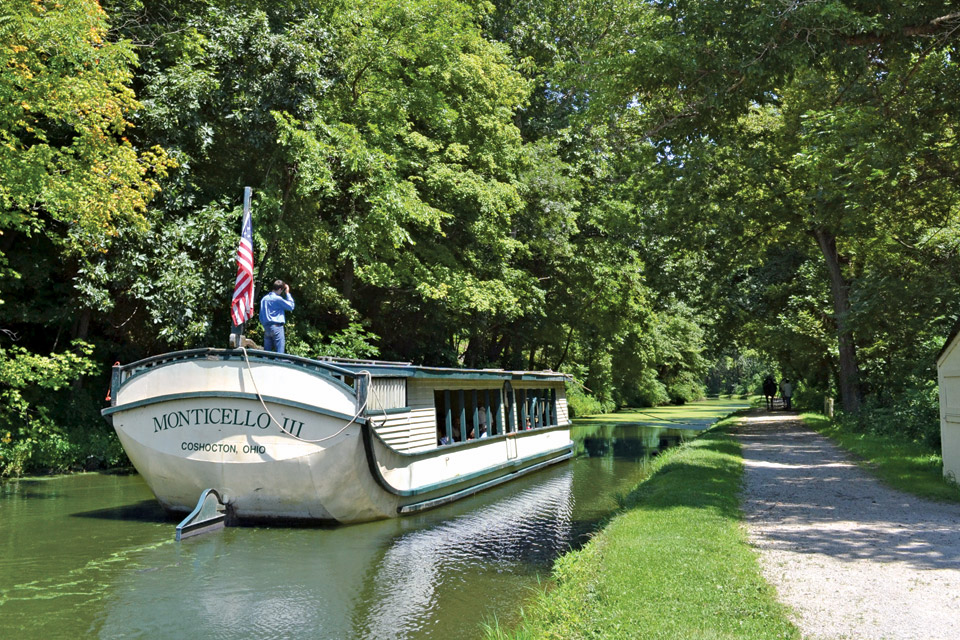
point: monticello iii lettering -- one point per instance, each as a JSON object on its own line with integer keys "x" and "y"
{"x": 211, "y": 416}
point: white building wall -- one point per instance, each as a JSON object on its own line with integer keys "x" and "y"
{"x": 948, "y": 371}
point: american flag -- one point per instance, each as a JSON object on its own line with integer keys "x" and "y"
{"x": 241, "y": 309}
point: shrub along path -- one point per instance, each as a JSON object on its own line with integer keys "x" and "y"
{"x": 852, "y": 557}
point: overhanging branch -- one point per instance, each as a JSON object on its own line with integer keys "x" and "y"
{"x": 944, "y": 24}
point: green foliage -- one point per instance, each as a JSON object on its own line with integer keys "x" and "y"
{"x": 63, "y": 115}
{"x": 71, "y": 182}
{"x": 645, "y": 390}
{"x": 393, "y": 188}
{"x": 677, "y": 342}
{"x": 352, "y": 342}
{"x": 581, "y": 404}
{"x": 912, "y": 415}
{"x": 685, "y": 388}
{"x": 162, "y": 278}
{"x": 804, "y": 168}
{"x": 30, "y": 438}
{"x": 741, "y": 373}
{"x": 807, "y": 398}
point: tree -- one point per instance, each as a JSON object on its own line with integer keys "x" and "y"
{"x": 70, "y": 182}
{"x": 821, "y": 123}
{"x": 65, "y": 165}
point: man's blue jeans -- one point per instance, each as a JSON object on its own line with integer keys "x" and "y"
{"x": 273, "y": 337}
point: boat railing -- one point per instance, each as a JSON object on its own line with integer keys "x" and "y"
{"x": 364, "y": 361}
{"x": 140, "y": 366}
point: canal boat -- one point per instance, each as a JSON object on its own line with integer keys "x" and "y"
{"x": 280, "y": 437}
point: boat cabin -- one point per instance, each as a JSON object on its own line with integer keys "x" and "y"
{"x": 421, "y": 408}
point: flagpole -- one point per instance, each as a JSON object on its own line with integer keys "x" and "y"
{"x": 237, "y": 331}
{"x": 247, "y": 194}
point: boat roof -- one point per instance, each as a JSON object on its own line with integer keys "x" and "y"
{"x": 352, "y": 367}
{"x": 407, "y": 370}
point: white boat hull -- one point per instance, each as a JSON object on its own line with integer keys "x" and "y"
{"x": 281, "y": 443}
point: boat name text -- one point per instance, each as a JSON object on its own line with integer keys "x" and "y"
{"x": 224, "y": 416}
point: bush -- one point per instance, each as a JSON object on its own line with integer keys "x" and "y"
{"x": 646, "y": 391}
{"x": 31, "y": 438}
{"x": 684, "y": 389}
{"x": 580, "y": 403}
{"x": 913, "y": 415}
{"x": 808, "y": 399}
{"x": 97, "y": 445}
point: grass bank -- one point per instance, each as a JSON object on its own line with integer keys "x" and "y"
{"x": 672, "y": 563}
{"x": 909, "y": 466}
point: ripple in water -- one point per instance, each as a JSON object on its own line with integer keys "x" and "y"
{"x": 531, "y": 527}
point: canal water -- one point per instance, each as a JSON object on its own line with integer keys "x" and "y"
{"x": 92, "y": 555}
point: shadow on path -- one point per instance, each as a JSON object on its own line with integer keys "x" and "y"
{"x": 824, "y": 503}
{"x": 851, "y": 556}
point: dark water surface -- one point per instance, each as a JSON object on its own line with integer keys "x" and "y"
{"x": 93, "y": 555}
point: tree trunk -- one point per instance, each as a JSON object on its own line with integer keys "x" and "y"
{"x": 81, "y": 330}
{"x": 849, "y": 369}
{"x": 566, "y": 349}
{"x": 496, "y": 348}
{"x": 81, "y": 327}
{"x": 474, "y": 350}
{"x": 346, "y": 284}
{"x": 507, "y": 352}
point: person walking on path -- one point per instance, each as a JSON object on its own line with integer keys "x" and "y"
{"x": 786, "y": 392}
{"x": 273, "y": 308}
{"x": 769, "y": 391}
{"x": 852, "y": 557}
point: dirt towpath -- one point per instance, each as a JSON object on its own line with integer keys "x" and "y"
{"x": 852, "y": 557}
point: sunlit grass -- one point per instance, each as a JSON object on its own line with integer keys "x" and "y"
{"x": 908, "y": 466}
{"x": 699, "y": 414}
{"x": 672, "y": 563}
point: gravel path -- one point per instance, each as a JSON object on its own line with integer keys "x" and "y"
{"x": 852, "y": 557}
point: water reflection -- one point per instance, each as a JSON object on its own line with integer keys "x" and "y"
{"x": 532, "y": 526}
{"x": 626, "y": 441}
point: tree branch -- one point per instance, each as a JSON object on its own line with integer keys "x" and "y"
{"x": 943, "y": 23}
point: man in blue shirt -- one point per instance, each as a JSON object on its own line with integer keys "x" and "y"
{"x": 272, "y": 315}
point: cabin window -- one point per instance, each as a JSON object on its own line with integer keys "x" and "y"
{"x": 467, "y": 414}
{"x": 387, "y": 393}
{"x": 536, "y": 408}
